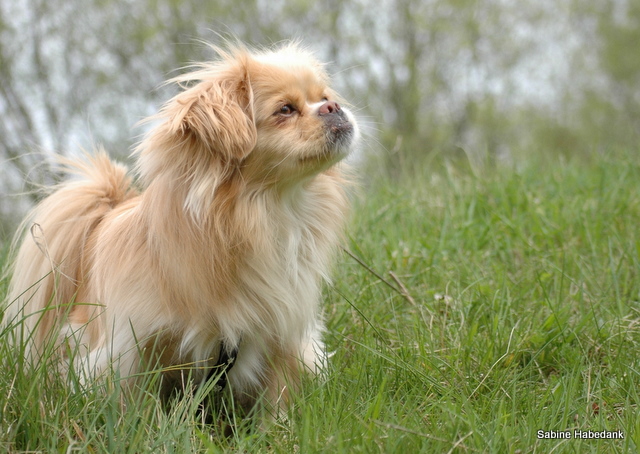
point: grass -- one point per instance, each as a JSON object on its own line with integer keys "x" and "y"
{"x": 480, "y": 310}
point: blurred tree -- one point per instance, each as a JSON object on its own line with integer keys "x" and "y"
{"x": 612, "y": 108}
{"x": 437, "y": 68}
{"x": 620, "y": 34}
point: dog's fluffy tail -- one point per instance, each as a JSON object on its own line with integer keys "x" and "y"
{"x": 49, "y": 250}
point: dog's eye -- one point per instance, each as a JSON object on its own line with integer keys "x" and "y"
{"x": 286, "y": 110}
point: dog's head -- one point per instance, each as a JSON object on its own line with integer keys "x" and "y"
{"x": 302, "y": 124}
{"x": 270, "y": 116}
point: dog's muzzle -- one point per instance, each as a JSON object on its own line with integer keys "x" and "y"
{"x": 339, "y": 128}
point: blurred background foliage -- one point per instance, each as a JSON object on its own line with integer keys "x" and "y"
{"x": 479, "y": 81}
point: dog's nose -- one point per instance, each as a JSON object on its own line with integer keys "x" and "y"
{"x": 329, "y": 107}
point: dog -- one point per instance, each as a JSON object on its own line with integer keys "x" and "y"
{"x": 216, "y": 255}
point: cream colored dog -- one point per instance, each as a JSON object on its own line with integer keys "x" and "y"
{"x": 227, "y": 244}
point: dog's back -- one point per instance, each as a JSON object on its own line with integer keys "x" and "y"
{"x": 47, "y": 266}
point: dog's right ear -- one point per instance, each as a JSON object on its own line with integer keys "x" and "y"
{"x": 218, "y": 114}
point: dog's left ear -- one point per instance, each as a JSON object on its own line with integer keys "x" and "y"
{"x": 218, "y": 113}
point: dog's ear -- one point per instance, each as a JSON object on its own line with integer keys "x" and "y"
{"x": 218, "y": 113}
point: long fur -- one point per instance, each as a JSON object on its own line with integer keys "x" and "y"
{"x": 228, "y": 240}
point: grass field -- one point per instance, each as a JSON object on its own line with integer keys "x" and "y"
{"x": 480, "y": 309}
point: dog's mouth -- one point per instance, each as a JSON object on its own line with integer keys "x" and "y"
{"x": 339, "y": 137}
{"x": 339, "y": 133}
{"x": 337, "y": 124}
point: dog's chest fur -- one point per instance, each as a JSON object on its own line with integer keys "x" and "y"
{"x": 273, "y": 305}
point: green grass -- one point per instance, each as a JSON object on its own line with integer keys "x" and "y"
{"x": 491, "y": 306}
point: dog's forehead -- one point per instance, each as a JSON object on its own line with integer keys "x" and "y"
{"x": 279, "y": 77}
{"x": 290, "y": 57}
